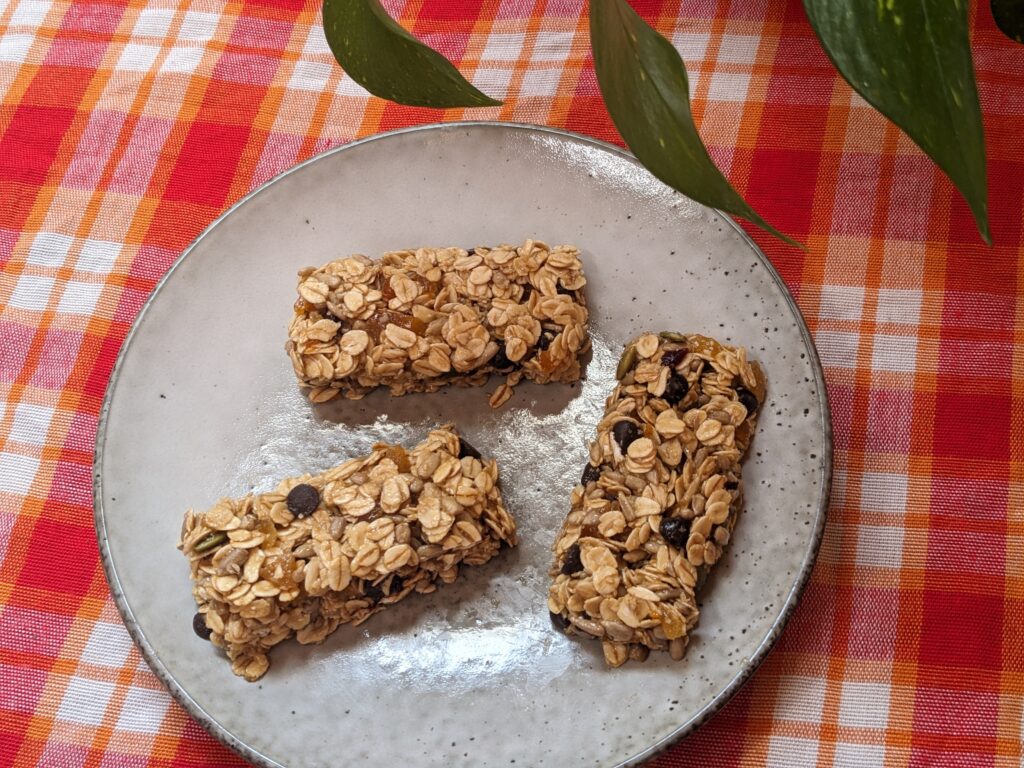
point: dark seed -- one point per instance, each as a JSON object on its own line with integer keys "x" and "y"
{"x": 748, "y": 399}
{"x": 675, "y": 531}
{"x": 527, "y": 292}
{"x": 303, "y": 500}
{"x": 372, "y": 591}
{"x": 559, "y": 621}
{"x": 625, "y": 432}
{"x": 675, "y": 389}
{"x": 465, "y": 449}
{"x": 673, "y": 357}
{"x": 572, "y": 563}
{"x": 544, "y": 341}
{"x": 731, "y": 485}
{"x": 501, "y": 362}
{"x": 200, "y": 628}
{"x": 702, "y": 576}
{"x": 470, "y": 251}
{"x": 590, "y": 474}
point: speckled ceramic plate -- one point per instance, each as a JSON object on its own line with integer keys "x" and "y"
{"x": 203, "y": 403}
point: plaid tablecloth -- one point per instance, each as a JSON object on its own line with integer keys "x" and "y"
{"x": 127, "y": 126}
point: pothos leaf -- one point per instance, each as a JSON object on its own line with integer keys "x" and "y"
{"x": 390, "y": 63}
{"x": 643, "y": 81}
{"x": 911, "y": 60}
{"x": 1009, "y": 16}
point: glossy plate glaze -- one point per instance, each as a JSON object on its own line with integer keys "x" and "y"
{"x": 203, "y": 404}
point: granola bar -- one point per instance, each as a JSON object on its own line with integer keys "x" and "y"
{"x": 328, "y": 549}
{"x": 416, "y": 321}
{"x": 659, "y": 497}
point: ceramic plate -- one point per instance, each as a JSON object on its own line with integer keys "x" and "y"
{"x": 203, "y": 403}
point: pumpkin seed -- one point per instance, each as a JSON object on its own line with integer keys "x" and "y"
{"x": 627, "y": 361}
{"x": 215, "y": 539}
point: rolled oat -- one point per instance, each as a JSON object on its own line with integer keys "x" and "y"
{"x": 416, "y": 321}
{"x": 329, "y": 549}
{"x": 658, "y": 500}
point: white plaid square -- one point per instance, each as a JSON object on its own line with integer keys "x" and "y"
{"x": 17, "y": 472}
{"x": 143, "y": 710}
{"x": 540, "y": 82}
{"x": 137, "y": 58}
{"x": 864, "y": 705}
{"x": 31, "y": 423}
{"x": 841, "y": 302}
{"x": 788, "y": 752}
{"x": 15, "y": 47}
{"x": 894, "y": 353}
{"x": 108, "y": 645}
{"x": 898, "y": 306}
{"x": 32, "y": 292}
{"x": 859, "y": 755}
{"x": 493, "y": 82}
{"x": 883, "y": 492}
{"x": 198, "y": 26}
{"x": 800, "y": 698}
{"x": 316, "y": 42}
{"x": 98, "y": 256}
{"x": 153, "y": 22}
{"x": 30, "y": 13}
{"x": 729, "y": 86}
{"x": 503, "y": 47}
{"x": 552, "y": 46}
{"x": 738, "y": 49}
{"x": 879, "y": 546}
{"x": 349, "y": 87}
{"x": 182, "y": 59}
{"x": 691, "y": 45}
{"x": 837, "y": 349}
{"x": 79, "y": 298}
{"x": 49, "y": 249}
{"x": 85, "y": 701}
{"x": 310, "y": 75}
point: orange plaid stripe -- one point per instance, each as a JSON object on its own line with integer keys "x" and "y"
{"x": 127, "y": 126}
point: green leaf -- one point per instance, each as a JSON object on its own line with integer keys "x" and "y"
{"x": 911, "y": 60}
{"x": 390, "y": 63}
{"x": 643, "y": 81}
{"x": 1009, "y": 16}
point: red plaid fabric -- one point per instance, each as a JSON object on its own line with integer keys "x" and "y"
{"x": 127, "y": 126}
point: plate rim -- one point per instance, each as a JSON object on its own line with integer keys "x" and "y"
{"x": 207, "y": 721}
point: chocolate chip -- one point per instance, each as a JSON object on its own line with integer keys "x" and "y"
{"x": 748, "y": 399}
{"x": 572, "y": 563}
{"x": 673, "y": 357}
{"x": 501, "y": 362}
{"x": 465, "y": 449}
{"x": 200, "y": 628}
{"x": 675, "y": 389}
{"x": 303, "y": 500}
{"x": 544, "y": 341}
{"x": 590, "y": 474}
{"x": 372, "y": 591}
{"x": 675, "y": 531}
{"x": 559, "y": 621}
{"x": 625, "y": 432}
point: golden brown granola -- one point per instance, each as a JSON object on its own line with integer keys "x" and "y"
{"x": 416, "y": 321}
{"x": 328, "y": 549}
{"x": 659, "y": 497}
